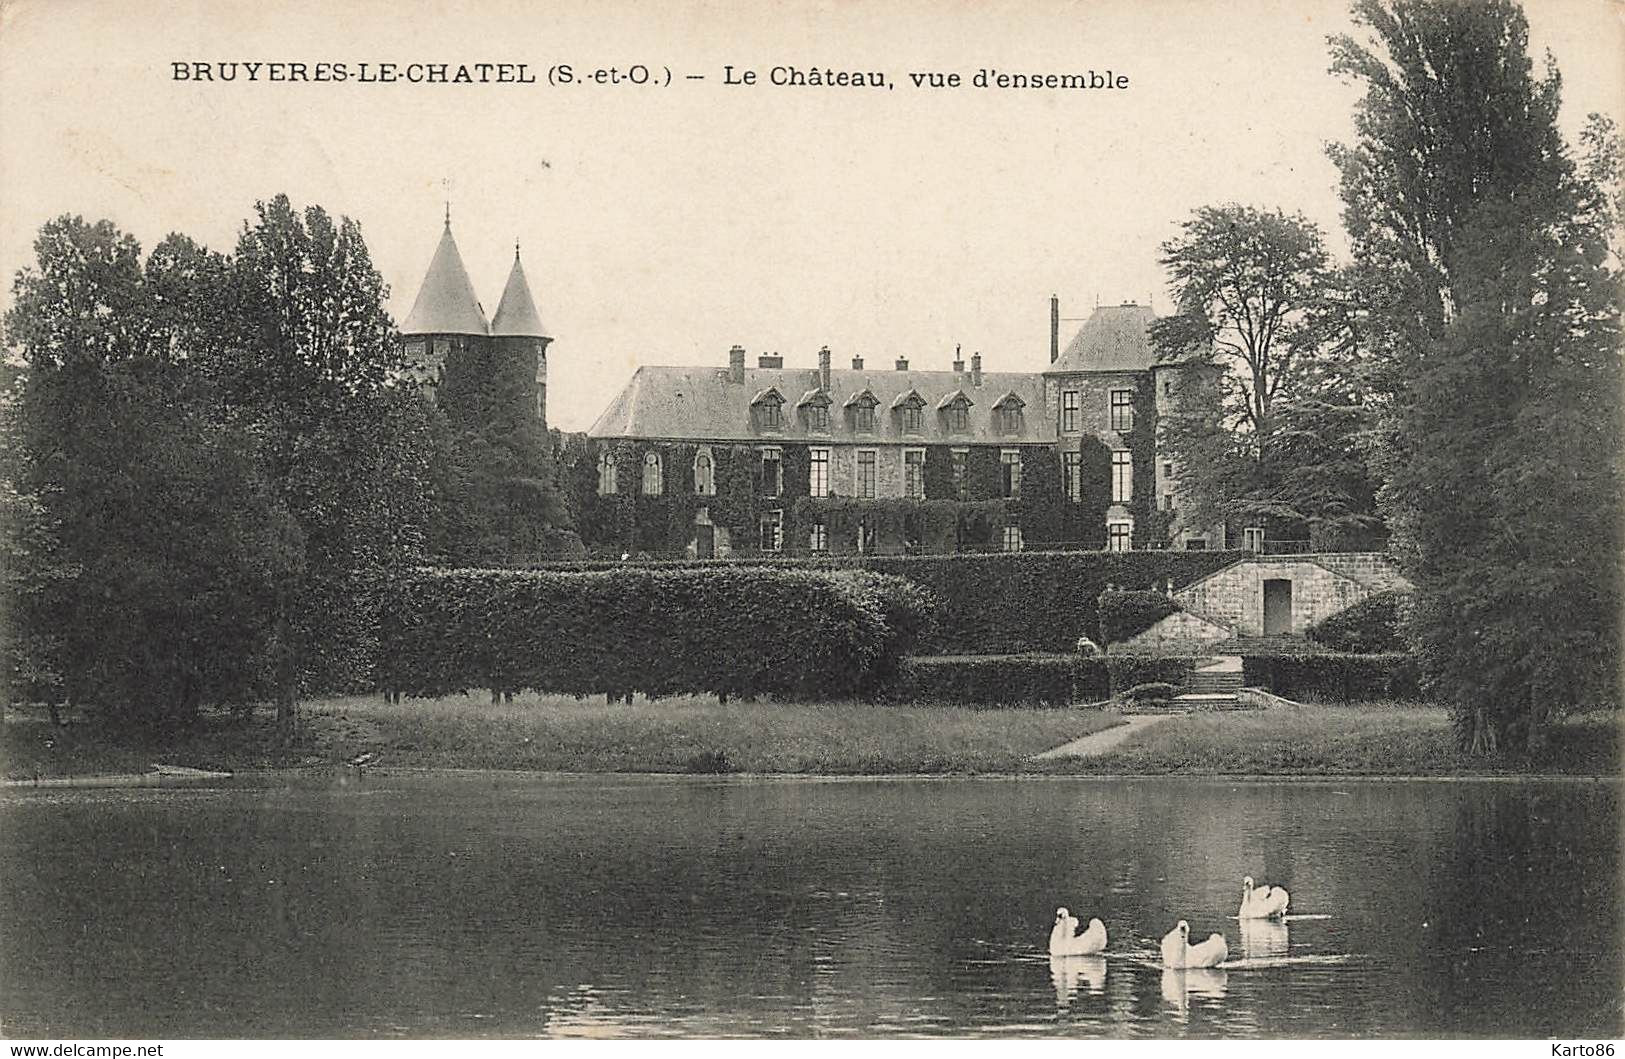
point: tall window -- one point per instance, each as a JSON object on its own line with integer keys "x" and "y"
{"x": 1119, "y": 536}
{"x": 866, "y": 474}
{"x": 651, "y": 474}
{"x": 866, "y": 534}
{"x": 818, "y": 472}
{"x": 772, "y": 531}
{"x": 1010, "y": 474}
{"x": 606, "y": 473}
{"x": 1253, "y": 538}
{"x": 914, "y": 473}
{"x": 772, "y": 472}
{"x": 913, "y": 419}
{"x": 1012, "y": 538}
{"x": 705, "y": 478}
{"x": 959, "y": 473}
{"x": 959, "y": 417}
{"x": 1122, "y": 410}
{"x": 1069, "y": 411}
{"x": 818, "y": 537}
{"x": 1072, "y": 475}
{"x": 818, "y": 417}
{"x": 1122, "y": 476}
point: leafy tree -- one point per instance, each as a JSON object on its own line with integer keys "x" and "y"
{"x": 1492, "y": 307}
{"x": 1264, "y": 405}
{"x": 311, "y": 368}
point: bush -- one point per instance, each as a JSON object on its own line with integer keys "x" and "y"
{"x": 1126, "y": 614}
{"x": 732, "y": 631}
{"x": 1340, "y": 677}
{"x": 1153, "y": 692}
{"x": 1000, "y": 680}
{"x": 1128, "y": 671}
{"x": 1005, "y": 603}
{"x": 1371, "y": 626}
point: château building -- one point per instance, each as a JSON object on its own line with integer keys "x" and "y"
{"x": 809, "y": 459}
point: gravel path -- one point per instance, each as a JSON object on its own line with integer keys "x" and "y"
{"x": 1100, "y": 742}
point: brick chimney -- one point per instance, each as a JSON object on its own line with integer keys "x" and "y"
{"x": 976, "y": 368}
{"x": 1054, "y": 328}
{"x": 857, "y": 363}
{"x": 823, "y": 368}
{"x": 770, "y": 360}
{"x": 959, "y": 361}
{"x": 902, "y": 363}
{"x": 736, "y": 364}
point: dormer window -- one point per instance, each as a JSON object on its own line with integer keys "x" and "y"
{"x": 815, "y": 411}
{"x": 767, "y": 408}
{"x": 955, "y": 410}
{"x": 910, "y": 409}
{"x": 861, "y": 407}
{"x": 1007, "y": 414}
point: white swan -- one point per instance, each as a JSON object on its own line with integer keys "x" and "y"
{"x": 1177, "y": 950}
{"x": 1065, "y": 941}
{"x": 1264, "y": 902}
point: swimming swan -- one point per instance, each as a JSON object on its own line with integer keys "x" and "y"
{"x": 1177, "y": 950}
{"x": 1265, "y": 902}
{"x": 1065, "y": 941}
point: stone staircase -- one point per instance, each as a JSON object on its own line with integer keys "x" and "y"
{"x": 1212, "y": 686}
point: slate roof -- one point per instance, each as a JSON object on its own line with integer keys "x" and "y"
{"x": 1114, "y": 338}
{"x": 446, "y": 304}
{"x": 701, "y": 404}
{"x": 516, "y": 313}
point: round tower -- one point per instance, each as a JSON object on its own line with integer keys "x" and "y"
{"x": 446, "y": 320}
{"x": 518, "y": 332}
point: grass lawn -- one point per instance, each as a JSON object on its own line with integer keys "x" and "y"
{"x": 1376, "y": 738}
{"x": 690, "y": 734}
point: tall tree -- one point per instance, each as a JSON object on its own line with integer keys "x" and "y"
{"x": 313, "y": 369}
{"x": 1265, "y": 425}
{"x": 1493, "y": 315}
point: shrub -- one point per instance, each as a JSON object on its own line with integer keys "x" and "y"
{"x": 1370, "y": 626}
{"x": 1000, "y": 680}
{"x": 1153, "y": 692}
{"x": 1340, "y": 677}
{"x": 733, "y": 631}
{"x": 1126, "y": 614}
{"x": 1127, "y": 671}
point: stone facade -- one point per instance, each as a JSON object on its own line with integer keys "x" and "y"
{"x": 1321, "y": 585}
{"x": 1178, "y": 633}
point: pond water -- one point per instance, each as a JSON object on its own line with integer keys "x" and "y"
{"x": 482, "y": 905}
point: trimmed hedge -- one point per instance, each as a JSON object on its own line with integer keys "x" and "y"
{"x": 1340, "y": 677}
{"x": 1126, "y": 614}
{"x": 1371, "y": 626}
{"x": 1029, "y": 679}
{"x": 737, "y": 631}
{"x": 1003, "y": 603}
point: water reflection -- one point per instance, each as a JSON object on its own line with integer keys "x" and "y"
{"x": 1178, "y": 986}
{"x": 1070, "y": 973}
{"x": 513, "y": 906}
{"x": 1263, "y": 937}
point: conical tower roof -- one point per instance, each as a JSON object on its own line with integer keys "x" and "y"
{"x": 516, "y": 312}
{"x": 446, "y": 304}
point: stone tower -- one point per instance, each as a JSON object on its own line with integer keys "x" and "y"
{"x": 447, "y": 325}
{"x": 517, "y": 331}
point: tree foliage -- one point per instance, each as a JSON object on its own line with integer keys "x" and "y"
{"x": 1266, "y": 425}
{"x": 1492, "y": 300}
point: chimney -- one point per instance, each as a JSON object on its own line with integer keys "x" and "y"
{"x": 857, "y": 363}
{"x": 959, "y": 361}
{"x": 770, "y": 360}
{"x": 736, "y": 364}
{"x": 902, "y": 363}
{"x": 823, "y": 368}
{"x": 1054, "y": 328}
{"x": 976, "y": 368}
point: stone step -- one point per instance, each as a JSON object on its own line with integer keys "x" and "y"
{"x": 1214, "y": 682}
{"x": 1206, "y": 701}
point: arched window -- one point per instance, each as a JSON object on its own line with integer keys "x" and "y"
{"x": 606, "y": 473}
{"x": 651, "y": 474}
{"x": 705, "y": 481}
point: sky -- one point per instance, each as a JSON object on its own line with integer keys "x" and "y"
{"x": 663, "y": 224}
